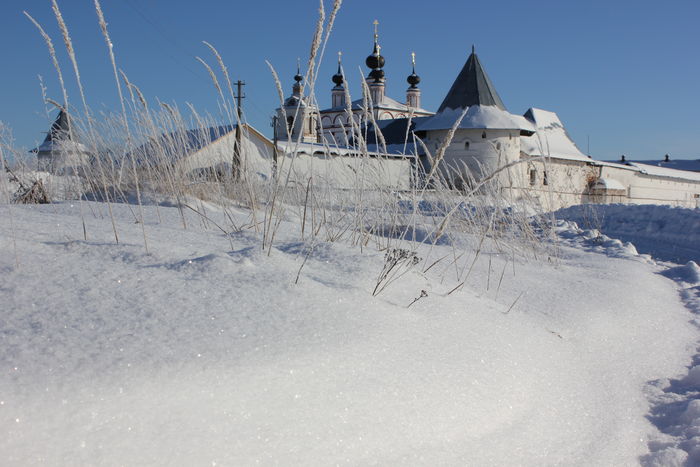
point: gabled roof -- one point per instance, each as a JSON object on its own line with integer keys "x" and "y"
{"x": 472, "y": 87}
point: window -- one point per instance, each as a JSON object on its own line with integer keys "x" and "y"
{"x": 466, "y": 145}
{"x": 290, "y": 123}
{"x": 545, "y": 180}
{"x": 533, "y": 176}
{"x": 498, "y": 146}
{"x": 483, "y": 135}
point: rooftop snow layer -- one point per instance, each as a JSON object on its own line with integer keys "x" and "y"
{"x": 692, "y": 165}
{"x": 550, "y": 139}
{"x": 387, "y": 103}
{"x": 665, "y": 172}
{"x": 176, "y": 145}
{"x": 477, "y": 117}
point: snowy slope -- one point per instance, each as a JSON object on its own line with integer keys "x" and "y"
{"x": 667, "y": 233}
{"x": 203, "y": 352}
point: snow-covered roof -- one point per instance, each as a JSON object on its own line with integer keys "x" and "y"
{"x": 550, "y": 139}
{"x": 652, "y": 170}
{"x": 387, "y": 103}
{"x": 477, "y": 117}
{"x": 665, "y": 172}
{"x": 692, "y": 165}
{"x": 176, "y": 145}
{"x": 55, "y": 146}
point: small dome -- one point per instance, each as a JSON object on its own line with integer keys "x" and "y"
{"x": 338, "y": 77}
{"x": 298, "y": 78}
{"x": 413, "y": 79}
{"x": 377, "y": 75}
{"x": 375, "y": 60}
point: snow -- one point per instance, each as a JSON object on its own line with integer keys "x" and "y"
{"x": 667, "y": 233}
{"x": 666, "y": 172}
{"x": 550, "y": 139}
{"x": 692, "y": 165}
{"x": 477, "y": 116}
{"x": 204, "y": 350}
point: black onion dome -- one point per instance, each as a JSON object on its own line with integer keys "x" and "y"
{"x": 338, "y": 77}
{"x": 298, "y": 77}
{"x": 413, "y": 79}
{"x": 376, "y": 60}
{"x": 377, "y": 74}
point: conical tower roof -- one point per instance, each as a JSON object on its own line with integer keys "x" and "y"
{"x": 472, "y": 87}
{"x": 60, "y": 129}
{"x": 60, "y": 132}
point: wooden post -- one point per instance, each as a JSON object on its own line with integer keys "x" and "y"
{"x": 237, "y": 148}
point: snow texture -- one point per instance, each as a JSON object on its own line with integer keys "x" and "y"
{"x": 205, "y": 351}
{"x": 667, "y": 233}
{"x": 476, "y": 117}
{"x": 666, "y": 172}
{"x": 550, "y": 139}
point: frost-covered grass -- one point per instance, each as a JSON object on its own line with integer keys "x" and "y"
{"x": 210, "y": 349}
{"x": 149, "y": 317}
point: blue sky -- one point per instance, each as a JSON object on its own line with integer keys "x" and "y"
{"x": 625, "y": 74}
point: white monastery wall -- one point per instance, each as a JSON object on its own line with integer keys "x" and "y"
{"x": 347, "y": 171}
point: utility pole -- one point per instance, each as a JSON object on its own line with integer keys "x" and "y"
{"x": 275, "y": 119}
{"x": 237, "y": 148}
{"x": 588, "y": 145}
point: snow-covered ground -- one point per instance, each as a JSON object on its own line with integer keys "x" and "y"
{"x": 667, "y": 233}
{"x": 206, "y": 351}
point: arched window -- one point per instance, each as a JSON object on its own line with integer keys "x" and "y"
{"x": 533, "y": 176}
{"x": 290, "y": 123}
{"x": 466, "y": 145}
{"x": 498, "y": 146}
{"x": 483, "y": 135}
{"x": 545, "y": 180}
